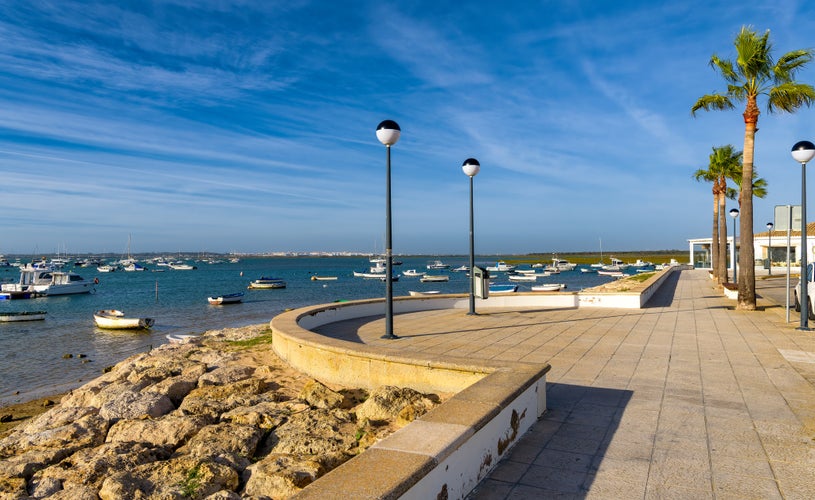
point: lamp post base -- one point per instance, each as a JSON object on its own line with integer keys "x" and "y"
{"x": 389, "y": 336}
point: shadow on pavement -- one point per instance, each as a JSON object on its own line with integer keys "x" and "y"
{"x": 561, "y": 453}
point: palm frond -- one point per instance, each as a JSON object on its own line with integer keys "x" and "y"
{"x": 709, "y": 102}
{"x": 790, "y": 96}
{"x": 753, "y": 54}
{"x": 725, "y": 67}
{"x": 784, "y": 70}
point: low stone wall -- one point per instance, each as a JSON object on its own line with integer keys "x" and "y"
{"x": 625, "y": 294}
{"x": 446, "y": 452}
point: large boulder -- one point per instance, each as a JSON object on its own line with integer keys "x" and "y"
{"x": 226, "y": 375}
{"x": 212, "y": 400}
{"x": 266, "y": 415}
{"x": 326, "y": 435}
{"x": 180, "y": 477}
{"x": 171, "y": 431}
{"x": 233, "y": 443}
{"x": 397, "y": 404}
{"x": 280, "y": 476}
{"x": 131, "y": 404}
{"x": 320, "y": 396}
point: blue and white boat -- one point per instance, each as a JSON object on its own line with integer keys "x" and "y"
{"x": 499, "y": 288}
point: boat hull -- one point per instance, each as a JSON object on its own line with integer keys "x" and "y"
{"x": 112, "y": 319}
{"x": 8, "y": 317}
{"x": 232, "y": 298}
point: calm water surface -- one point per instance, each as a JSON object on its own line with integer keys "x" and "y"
{"x": 31, "y": 353}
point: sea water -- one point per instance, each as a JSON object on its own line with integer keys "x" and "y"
{"x": 34, "y": 359}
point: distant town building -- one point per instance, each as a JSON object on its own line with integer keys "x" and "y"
{"x": 699, "y": 248}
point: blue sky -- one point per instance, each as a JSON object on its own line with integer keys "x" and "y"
{"x": 249, "y": 126}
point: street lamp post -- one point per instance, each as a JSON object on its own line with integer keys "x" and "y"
{"x": 734, "y": 213}
{"x": 770, "y": 226}
{"x": 802, "y": 152}
{"x": 388, "y": 133}
{"x": 471, "y": 168}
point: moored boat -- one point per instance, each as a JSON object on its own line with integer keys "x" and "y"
{"x": 413, "y": 273}
{"x": 113, "y": 319}
{"x": 522, "y": 277}
{"x": 501, "y": 266}
{"x": 323, "y": 278}
{"x": 22, "y": 316}
{"x": 549, "y": 287}
{"x": 231, "y": 298}
{"x": 415, "y": 293}
{"x": 434, "y": 278}
{"x": 266, "y": 283}
{"x": 498, "y": 288}
{"x": 437, "y": 264}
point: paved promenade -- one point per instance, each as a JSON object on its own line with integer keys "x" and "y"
{"x": 686, "y": 398}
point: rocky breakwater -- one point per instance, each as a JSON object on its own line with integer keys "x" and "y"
{"x": 219, "y": 417}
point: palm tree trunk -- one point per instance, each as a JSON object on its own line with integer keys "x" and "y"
{"x": 747, "y": 269}
{"x": 722, "y": 239}
{"x": 714, "y": 241}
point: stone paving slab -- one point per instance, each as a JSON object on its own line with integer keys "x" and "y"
{"x": 686, "y": 398}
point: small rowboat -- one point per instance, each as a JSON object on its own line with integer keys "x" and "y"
{"x": 503, "y": 288}
{"x": 115, "y": 320}
{"x": 179, "y": 338}
{"x": 414, "y": 293}
{"x": 434, "y": 278}
{"x": 323, "y": 278}
{"x": 22, "y": 316}
{"x": 232, "y": 298}
{"x": 549, "y": 287}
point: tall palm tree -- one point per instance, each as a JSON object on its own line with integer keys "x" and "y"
{"x": 724, "y": 163}
{"x": 755, "y": 73}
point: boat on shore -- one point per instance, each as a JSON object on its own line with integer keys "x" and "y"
{"x": 265, "y": 283}
{"x": 113, "y": 319}
{"x": 231, "y": 298}
{"x": 6, "y": 317}
{"x": 179, "y": 338}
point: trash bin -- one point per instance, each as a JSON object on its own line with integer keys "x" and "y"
{"x": 766, "y": 263}
{"x": 481, "y": 282}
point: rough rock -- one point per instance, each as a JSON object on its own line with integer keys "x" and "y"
{"x": 225, "y": 375}
{"x": 233, "y": 443}
{"x": 320, "y": 396}
{"x": 212, "y": 400}
{"x": 88, "y": 430}
{"x": 90, "y": 466}
{"x": 387, "y": 403}
{"x": 175, "y": 478}
{"x": 266, "y": 415}
{"x": 171, "y": 431}
{"x": 281, "y": 476}
{"x": 130, "y": 404}
{"x": 326, "y": 435}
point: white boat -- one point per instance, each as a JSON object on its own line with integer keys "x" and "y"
{"x": 323, "y": 278}
{"x": 525, "y": 271}
{"x": 232, "y": 298}
{"x": 462, "y": 269}
{"x": 434, "y": 278}
{"x": 415, "y": 293}
{"x": 497, "y": 288}
{"x": 562, "y": 265}
{"x": 114, "y": 319}
{"x": 437, "y": 264}
{"x": 106, "y": 268}
{"x": 22, "y": 316}
{"x": 588, "y": 270}
{"x": 49, "y": 282}
{"x": 610, "y": 272}
{"x": 522, "y": 277}
{"x": 549, "y": 287}
{"x": 266, "y": 283}
{"x": 182, "y": 266}
{"x": 179, "y": 338}
{"x": 413, "y": 273}
{"x": 500, "y": 266}
{"x": 134, "y": 267}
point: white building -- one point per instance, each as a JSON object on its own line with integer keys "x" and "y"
{"x": 769, "y": 244}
